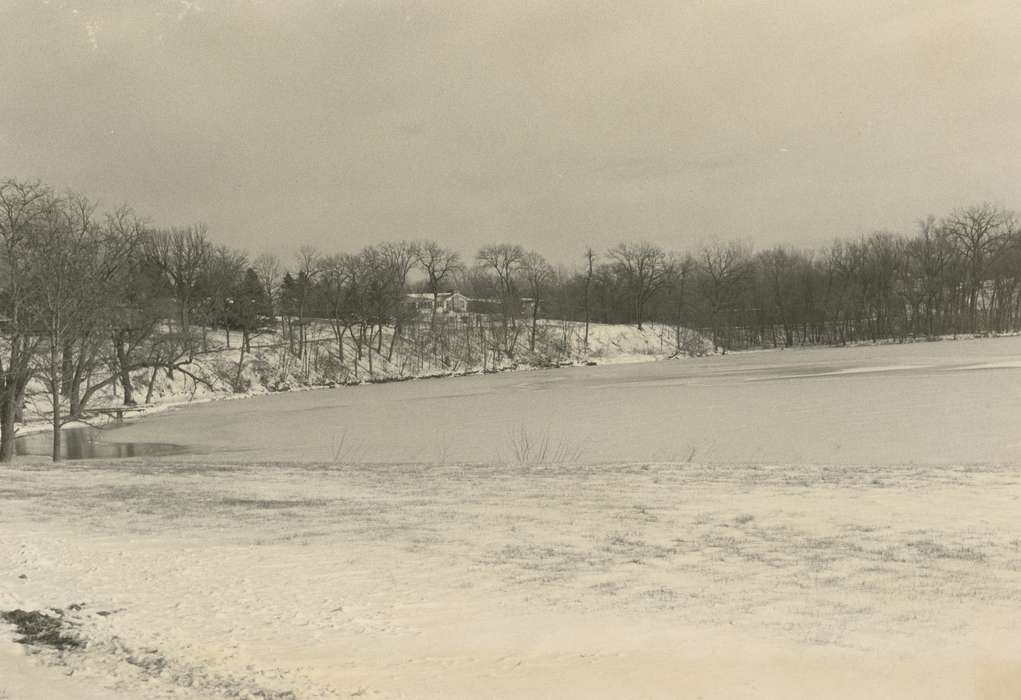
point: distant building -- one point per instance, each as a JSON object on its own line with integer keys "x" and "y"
{"x": 446, "y": 302}
{"x": 457, "y": 303}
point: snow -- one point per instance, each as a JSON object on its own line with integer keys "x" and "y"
{"x": 24, "y": 680}
{"x": 618, "y": 344}
{"x": 818, "y": 532}
{"x": 270, "y": 368}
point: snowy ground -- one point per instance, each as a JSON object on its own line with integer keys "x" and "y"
{"x": 829, "y": 523}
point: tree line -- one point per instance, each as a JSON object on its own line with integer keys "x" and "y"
{"x": 91, "y": 301}
{"x": 958, "y": 274}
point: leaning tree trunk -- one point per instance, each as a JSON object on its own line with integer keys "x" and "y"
{"x": 152, "y": 385}
{"x": 123, "y": 372}
{"x": 393, "y": 342}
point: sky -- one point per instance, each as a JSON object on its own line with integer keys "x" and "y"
{"x": 554, "y": 124}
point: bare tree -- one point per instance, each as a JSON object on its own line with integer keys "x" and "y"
{"x": 309, "y": 267}
{"x": 778, "y": 266}
{"x": 400, "y": 257}
{"x": 439, "y": 265}
{"x": 981, "y": 233}
{"x": 725, "y": 270}
{"x": 590, "y": 257}
{"x": 682, "y": 269}
{"x": 71, "y": 262}
{"x": 645, "y": 269}
{"x": 505, "y": 261}
{"x": 110, "y": 319}
{"x": 339, "y": 288}
{"x": 133, "y": 309}
{"x": 24, "y": 209}
{"x": 538, "y": 273}
{"x": 223, "y": 274}
{"x": 267, "y": 268}
{"x": 58, "y": 265}
{"x": 384, "y": 277}
{"x": 181, "y": 254}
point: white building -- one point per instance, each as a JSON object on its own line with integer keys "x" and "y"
{"x": 446, "y": 302}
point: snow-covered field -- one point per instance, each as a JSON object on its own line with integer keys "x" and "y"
{"x": 814, "y": 523}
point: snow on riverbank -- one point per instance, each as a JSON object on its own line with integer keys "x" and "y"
{"x": 269, "y": 368}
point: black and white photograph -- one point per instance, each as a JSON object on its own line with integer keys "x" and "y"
{"x": 499, "y": 349}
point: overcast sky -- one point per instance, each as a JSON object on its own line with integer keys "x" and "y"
{"x": 555, "y": 124}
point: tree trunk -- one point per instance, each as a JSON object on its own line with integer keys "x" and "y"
{"x": 588, "y": 305}
{"x": 66, "y": 364}
{"x": 535, "y": 323}
{"x": 152, "y": 385}
{"x": 432, "y": 318}
{"x": 19, "y": 403}
{"x": 56, "y": 430}
{"x": 482, "y": 343}
{"x": 237, "y": 375}
{"x": 393, "y": 342}
{"x": 76, "y": 398}
{"x": 7, "y": 411}
{"x": 55, "y": 398}
{"x": 122, "y": 370}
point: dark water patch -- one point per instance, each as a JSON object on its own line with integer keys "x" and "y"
{"x": 41, "y": 629}
{"x": 87, "y": 443}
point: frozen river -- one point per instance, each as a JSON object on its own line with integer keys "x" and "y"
{"x": 923, "y": 403}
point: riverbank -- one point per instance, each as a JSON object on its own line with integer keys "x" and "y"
{"x": 269, "y": 369}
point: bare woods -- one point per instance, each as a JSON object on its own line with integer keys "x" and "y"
{"x": 91, "y": 300}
